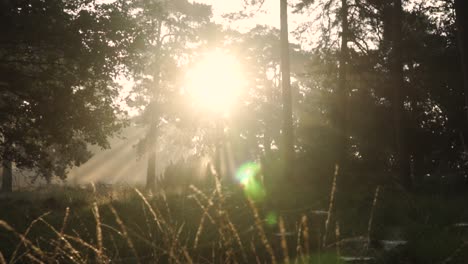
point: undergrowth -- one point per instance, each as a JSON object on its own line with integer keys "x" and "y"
{"x": 221, "y": 225}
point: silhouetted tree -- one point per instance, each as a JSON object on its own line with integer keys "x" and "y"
{"x": 342, "y": 88}
{"x": 165, "y": 30}
{"x": 399, "y": 96}
{"x": 461, "y": 17}
{"x": 58, "y": 60}
{"x": 287, "y": 130}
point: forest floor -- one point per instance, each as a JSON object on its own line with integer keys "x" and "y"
{"x": 121, "y": 224}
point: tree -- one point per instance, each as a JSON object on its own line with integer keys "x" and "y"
{"x": 263, "y": 44}
{"x": 399, "y": 95}
{"x": 287, "y": 130}
{"x": 57, "y": 94}
{"x": 165, "y": 29}
{"x": 260, "y": 118}
{"x": 337, "y": 28}
{"x": 461, "y": 18}
{"x": 342, "y": 89}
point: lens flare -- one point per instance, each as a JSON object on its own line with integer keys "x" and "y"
{"x": 271, "y": 219}
{"x": 248, "y": 177}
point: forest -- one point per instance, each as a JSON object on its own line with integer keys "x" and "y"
{"x": 240, "y": 131}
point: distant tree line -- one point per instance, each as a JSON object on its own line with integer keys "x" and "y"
{"x": 381, "y": 89}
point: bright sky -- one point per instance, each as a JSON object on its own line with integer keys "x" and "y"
{"x": 268, "y": 14}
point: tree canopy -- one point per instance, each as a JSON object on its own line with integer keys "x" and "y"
{"x": 370, "y": 92}
{"x": 58, "y": 61}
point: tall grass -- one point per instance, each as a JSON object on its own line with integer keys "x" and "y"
{"x": 170, "y": 236}
{"x": 202, "y": 225}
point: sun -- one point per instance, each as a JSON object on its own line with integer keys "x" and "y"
{"x": 215, "y": 82}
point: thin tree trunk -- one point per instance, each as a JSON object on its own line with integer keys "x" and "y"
{"x": 461, "y": 21}
{"x": 341, "y": 109}
{"x": 402, "y": 156}
{"x": 461, "y": 13}
{"x": 288, "y": 133}
{"x": 342, "y": 89}
{"x": 151, "y": 169}
{"x": 7, "y": 177}
{"x": 267, "y": 137}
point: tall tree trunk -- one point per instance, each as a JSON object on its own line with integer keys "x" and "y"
{"x": 342, "y": 103}
{"x": 461, "y": 13}
{"x": 151, "y": 169}
{"x": 396, "y": 71}
{"x": 267, "y": 136}
{"x": 341, "y": 112}
{"x": 288, "y": 133}
{"x": 7, "y": 176}
{"x": 461, "y": 21}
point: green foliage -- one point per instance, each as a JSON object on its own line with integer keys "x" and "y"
{"x": 57, "y": 64}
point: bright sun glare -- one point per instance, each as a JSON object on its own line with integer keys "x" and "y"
{"x": 215, "y": 82}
